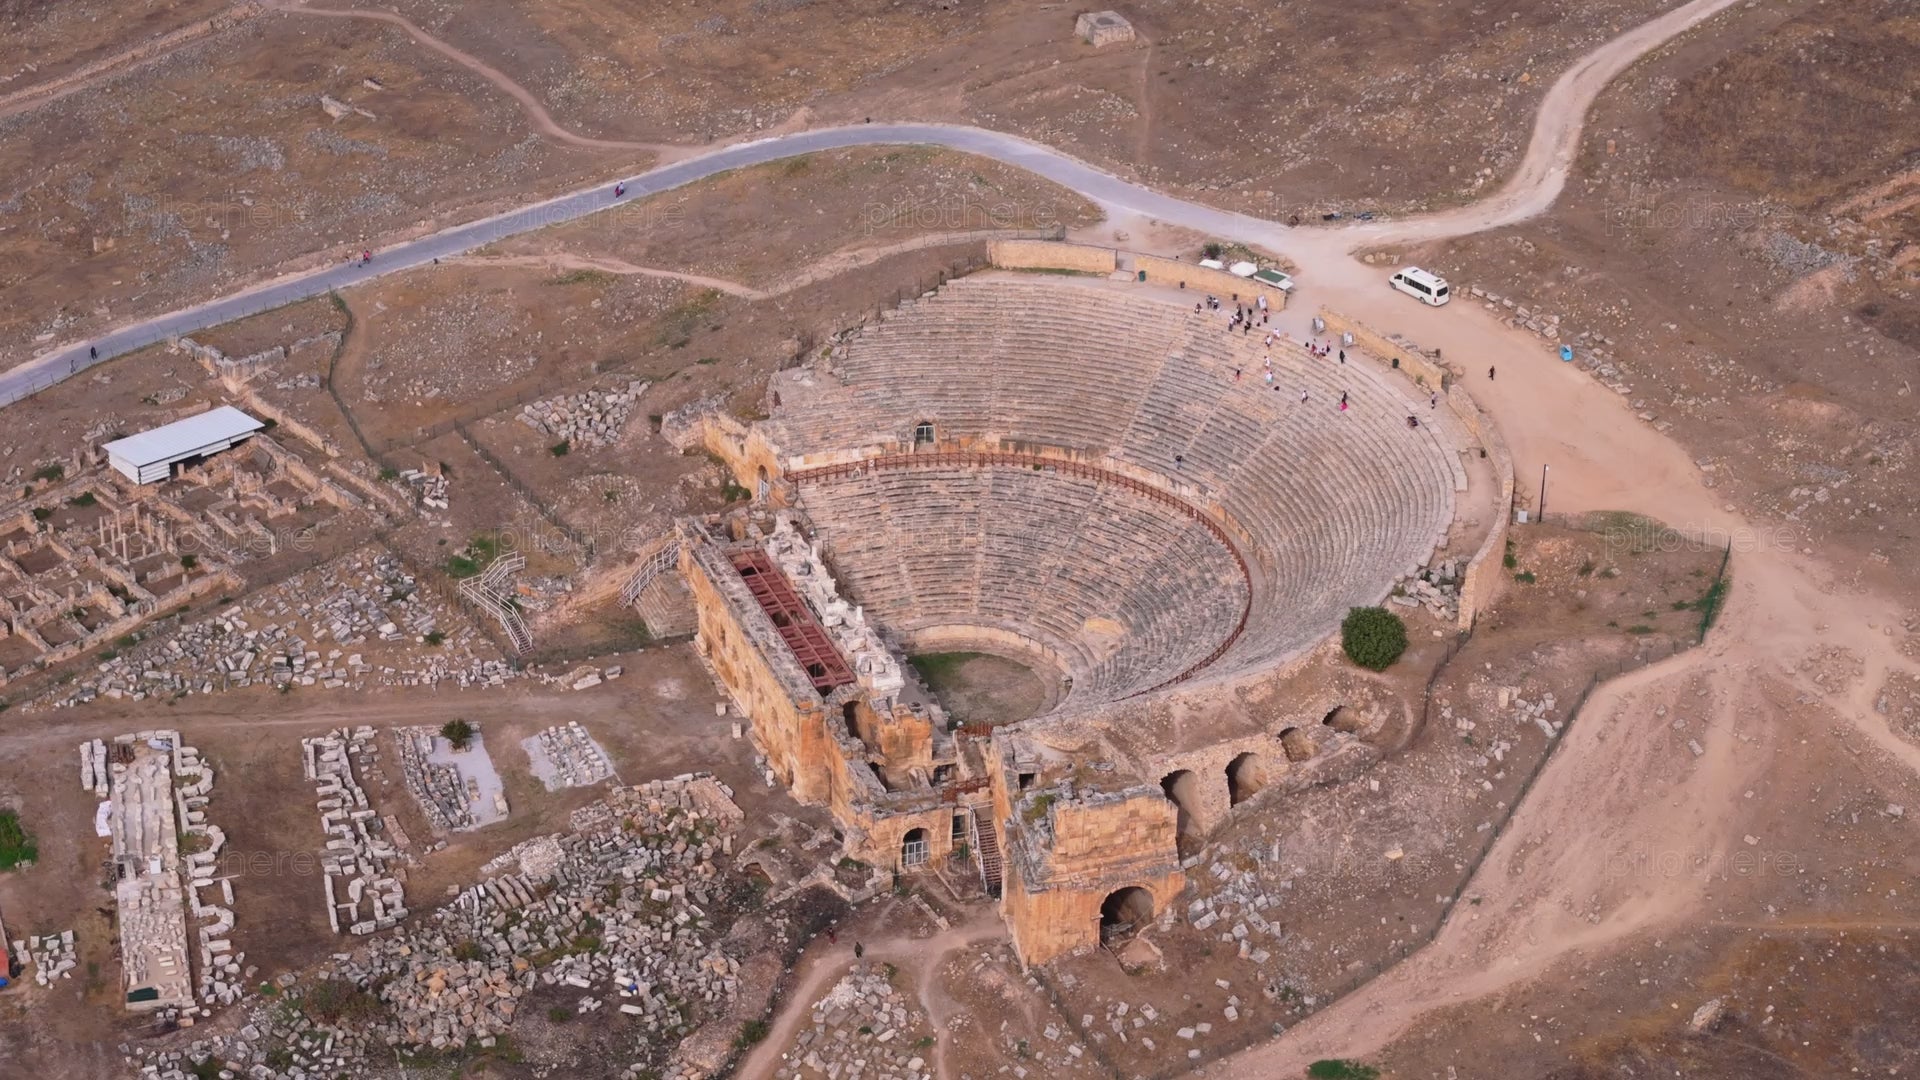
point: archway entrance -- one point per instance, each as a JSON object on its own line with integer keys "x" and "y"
{"x": 1341, "y": 718}
{"x": 1296, "y": 744}
{"x": 913, "y": 849}
{"x": 1182, "y": 788}
{"x": 1124, "y": 913}
{"x": 762, "y": 483}
{"x": 1246, "y": 775}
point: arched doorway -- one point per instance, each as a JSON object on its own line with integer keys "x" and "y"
{"x": 762, "y": 483}
{"x": 1124, "y": 913}
{"x": 1182, "y": 788}
{"x": 913, "y": 849}
{"x": 1341, "y": 718}
{"x": 1296, "y": 744}
{"x": 1246, "y": 775}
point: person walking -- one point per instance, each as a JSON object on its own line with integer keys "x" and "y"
{"x": 1489, "y": 374}
{"x": 93, "y": 352}
{"x": 1433, "y": 401}
{"x": 859, "y": 950}
{"x": 1303, "y": 395}
{"x": 1343, "y": 356}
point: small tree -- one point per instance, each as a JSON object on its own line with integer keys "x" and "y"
{"x": 1373, "y": 637}
{"x": 457, "y": 732}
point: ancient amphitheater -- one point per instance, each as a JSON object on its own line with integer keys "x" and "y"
{"x": 1180, "y": 524}
{"x": 1101, "y": 482}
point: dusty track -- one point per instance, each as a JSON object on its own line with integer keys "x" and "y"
{"x": 542, "y": 121}
{"x": 919, "y": 957}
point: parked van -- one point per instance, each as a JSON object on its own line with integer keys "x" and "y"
{"x": 1429, "y": 289}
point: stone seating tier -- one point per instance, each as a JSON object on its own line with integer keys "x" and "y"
{"x": 1329, "y": 507}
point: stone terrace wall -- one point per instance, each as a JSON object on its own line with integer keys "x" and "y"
{"x": 1483, "y": 574}
{"x": 1089, "y": 259}
{"x": 1218, "y": 282}
{"x": 1048, "y": 255}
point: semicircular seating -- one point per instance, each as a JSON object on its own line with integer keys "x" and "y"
{"x": 1328, "y": 507}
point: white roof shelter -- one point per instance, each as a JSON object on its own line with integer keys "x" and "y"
{"x": 150, "y": 456}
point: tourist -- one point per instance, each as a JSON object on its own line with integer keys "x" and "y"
{"x": 1413, "y": 421}
{"x": 1236, "y": 374}
{"x": 860, "y": 950}
{"x": 1343, "y": 399}
{"x": 1269, "y": 376}
{"x": 1343, "y": 356}
{"x": 1489, "y": 374}
{"x": 1303, "y": 395}
{"x": 93, "y": 352}
{"x": 1247, "y": 327}
{"x": 1263, "y": 301}
{"x": 1179, "y": 462}
{"x": 1268, "y": 344}
{"x": 1433, "y": 401}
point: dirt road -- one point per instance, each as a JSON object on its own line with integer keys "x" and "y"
{"x": 920, "y": 958}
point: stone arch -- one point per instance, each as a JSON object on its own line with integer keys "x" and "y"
{"x": 1246, "y": 775}
{"x": 914, "y": 849}
{"x": 1341, "y": 718}
{"x": 1124, "y": 912}
{"x": 1296, "y": 744}
{"x": 762, "y": 483}
{"x": 1182, "y": 788}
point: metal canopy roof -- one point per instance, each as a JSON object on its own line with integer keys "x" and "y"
{"x": 146, "y": 457}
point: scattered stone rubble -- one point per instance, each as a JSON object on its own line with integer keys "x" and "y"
{"x": 861, "y": 1028}
{"x": 592, "y": 418}
{"x": 276, "y": 636}
{"x": 51, "y": 955}
{"x": 1592, "y": 351}
{"x": 362, "y": 881}
{"x": 160, "y": 837}
{"x": 220, "y": 966}
{"x": 566, "y": 756}
{"x": 447, "y": 798}
{"x": 1436, "y": 588}
{"x": 614, "y": 911}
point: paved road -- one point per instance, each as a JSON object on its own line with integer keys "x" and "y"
{"x": 1535, "y": 184}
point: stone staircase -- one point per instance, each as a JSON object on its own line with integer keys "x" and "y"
{"x": 986, "y": 845}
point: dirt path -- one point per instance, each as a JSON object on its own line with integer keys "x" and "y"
{"x": 542, "y": 120}
{"x": 32, "y": 97}
{"x": 919, "y": 957}
{"x": 829, "y": 266}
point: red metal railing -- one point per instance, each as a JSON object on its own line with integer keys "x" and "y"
{"x": 986, "y": 459}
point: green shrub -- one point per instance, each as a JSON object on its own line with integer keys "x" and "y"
{"x": 83, "y": 500}
{"x": 457, "y": 732}
{"x": 42, "y": 513}
{"x": 1525, "y": 577}
{"x": 16, "y": 846}
{"x": 1341, "y": 1069}
{"x": 561, "y": 448}
{"x": 435, "y": 637}
{"x": 51, "y": 472}
{"x": 751, "y": 1032}
{"x": 1373, "y": 637}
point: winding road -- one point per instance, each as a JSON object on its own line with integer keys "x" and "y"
{"x": 1533, "y": 187}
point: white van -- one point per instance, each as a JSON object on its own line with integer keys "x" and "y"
{"x": 1429, "y": 289}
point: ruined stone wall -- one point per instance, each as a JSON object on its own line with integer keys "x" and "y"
{"x": 1207, "y": 280}
{"x": 744, "y": 451}
{"x": 792, "y": 732}
{"x": 1051, "y": 255}
{"x": 1066, "y": 856}
{"x": 1483, "y": 577}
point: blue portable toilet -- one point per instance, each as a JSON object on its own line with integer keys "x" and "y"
{"x": 1566, "y": 352}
